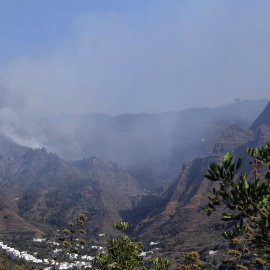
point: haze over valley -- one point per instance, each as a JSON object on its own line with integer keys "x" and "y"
{"x": 116, "y": 109}
{"x": 151, "y": 147}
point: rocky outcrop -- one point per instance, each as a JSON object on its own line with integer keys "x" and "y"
{"x": 232, "y": 137}
{"x": 42, "y": 187}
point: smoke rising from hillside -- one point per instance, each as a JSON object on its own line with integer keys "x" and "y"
{"x": 150, "y": 57}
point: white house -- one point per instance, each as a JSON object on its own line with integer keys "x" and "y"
{"x": 212, "y": 252}
{"x": 143, "y": 254}
{"x": 97, "y": 247}
{"x": 153, "y": 243}
{"x": 40, "y": 240}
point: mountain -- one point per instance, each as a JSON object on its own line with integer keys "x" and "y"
{"x": 48, "y": 191}
{"x": 180, "y": 219}
{"x": 262, "y": 119}
{"x": 150, "y": 147}
{"x": 11, "y": 223}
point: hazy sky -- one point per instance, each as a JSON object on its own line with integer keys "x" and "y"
{"x": 133, "y": 56}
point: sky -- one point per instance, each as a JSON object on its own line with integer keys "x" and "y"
{"x": 119, "y": 56}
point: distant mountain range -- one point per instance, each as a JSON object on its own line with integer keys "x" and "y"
{"x": 151, "y": 147}
{"x": 44, "y": 191}
{"x": 181, "y": 219}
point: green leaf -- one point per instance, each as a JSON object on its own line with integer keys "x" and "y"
{"x": 227, "y": 217}
{"x": 245, "y": 184}
{"x": 228, "y": 156}
{"x": 211, "y": 205}
{"x": 239, "y": 162}
{"x": 210, "y": 177}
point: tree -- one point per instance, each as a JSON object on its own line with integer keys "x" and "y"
{"x": 160, "y": 264}
{"x": 247, "y": 204}
{"x": 70, "y": 233}
{"x": 192, "y": 262}
{"x": 123, "y": 254}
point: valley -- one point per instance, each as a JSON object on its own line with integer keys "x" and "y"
{"x": 42, "y": 191}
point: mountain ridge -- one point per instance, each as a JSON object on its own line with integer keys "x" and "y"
{"x": 44, "y": 188}
{"x": 40, "y": 186}
{"x": 148, "y": 146}
{"x": 181, "y": 218}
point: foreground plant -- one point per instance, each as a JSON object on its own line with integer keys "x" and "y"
{"x": 123, "y": 254}
{"x": 192, "y": 262}
{"x": 68, "y": 238}
{"x": 160, "y": 264}
{"x": 247, "y": 204}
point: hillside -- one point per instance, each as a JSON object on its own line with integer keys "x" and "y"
{"x": 12, "y": 224}
{"x": 262, "y": 119}
{"x": 48, "y": 191}
{"x": 150, "y": 147}
{"x": 181, "y": 218}
{"x": 42, "y": 188}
